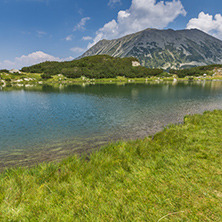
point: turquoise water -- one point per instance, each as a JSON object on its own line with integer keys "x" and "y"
{"x": 49, "y": 122}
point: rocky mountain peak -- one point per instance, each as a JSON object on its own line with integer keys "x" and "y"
{"x": 163, "y": 48}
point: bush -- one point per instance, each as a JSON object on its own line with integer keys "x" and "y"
{"x": 46, "y": 76}
{"x": 8, "y": 80}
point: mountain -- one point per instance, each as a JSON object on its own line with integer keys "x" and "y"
{"x": 163, "y": 48}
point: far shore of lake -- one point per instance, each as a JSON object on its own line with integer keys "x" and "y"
{"x": 29, "y": 79}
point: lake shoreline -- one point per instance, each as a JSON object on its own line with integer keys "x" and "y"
{"x": 180, "y": 164}
{"x": 37, "y": 140}
{"x": 35, "y": 79}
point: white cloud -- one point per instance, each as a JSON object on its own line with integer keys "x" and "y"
{"x": 81, "y": 24}
{"x": 142, "y": 14}
{"x": 113, "y": 2}
{"x": 31, "y": 59}
{"x": 7, "y": 64}
{"x": 86, "y": 38}
{"x": 41, "y": 33}
{"x": 77, "y": 49}
{"x": 69, "y": 38}
{"x": 207, "y": 23}
{"x": 80, "y": 11}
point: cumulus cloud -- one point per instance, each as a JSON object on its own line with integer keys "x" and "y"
{"x": 142, "y": 14}
{"x": 81, "y": 24}
{"x": 207, "y": 23}
{"x": 31, "y": 59}
{"x": 77, "y": 49}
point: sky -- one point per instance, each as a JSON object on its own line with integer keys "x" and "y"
{"x": 33, "y": 31}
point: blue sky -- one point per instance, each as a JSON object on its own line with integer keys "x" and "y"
{"x": 33, "y": 31}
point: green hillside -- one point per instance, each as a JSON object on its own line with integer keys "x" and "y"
{"x": 196, "y": 71}
{"x": 99, "y": 66}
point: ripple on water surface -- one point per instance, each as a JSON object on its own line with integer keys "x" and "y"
{"x": 50, "y": 123}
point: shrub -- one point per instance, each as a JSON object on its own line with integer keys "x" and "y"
{"x": 46, "y": 76}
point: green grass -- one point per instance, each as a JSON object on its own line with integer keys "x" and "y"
{"x": 176, "y": 175}
{"x": 30, "y": 79}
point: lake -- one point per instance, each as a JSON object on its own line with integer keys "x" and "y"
{"x": 43, "y": 123}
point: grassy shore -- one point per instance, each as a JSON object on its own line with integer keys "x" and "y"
{"x": 8, "y": 79}
{"x": 176, "y": 175}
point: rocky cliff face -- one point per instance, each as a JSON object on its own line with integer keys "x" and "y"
{"x": 164, "y": 48}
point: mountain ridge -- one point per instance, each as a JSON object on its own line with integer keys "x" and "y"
{"x": 163, "y": 48}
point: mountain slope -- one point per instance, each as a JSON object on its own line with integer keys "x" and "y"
{"x": 163, "y": 48}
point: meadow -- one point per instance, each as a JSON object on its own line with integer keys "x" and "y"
{"x": 174, "y": 175}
